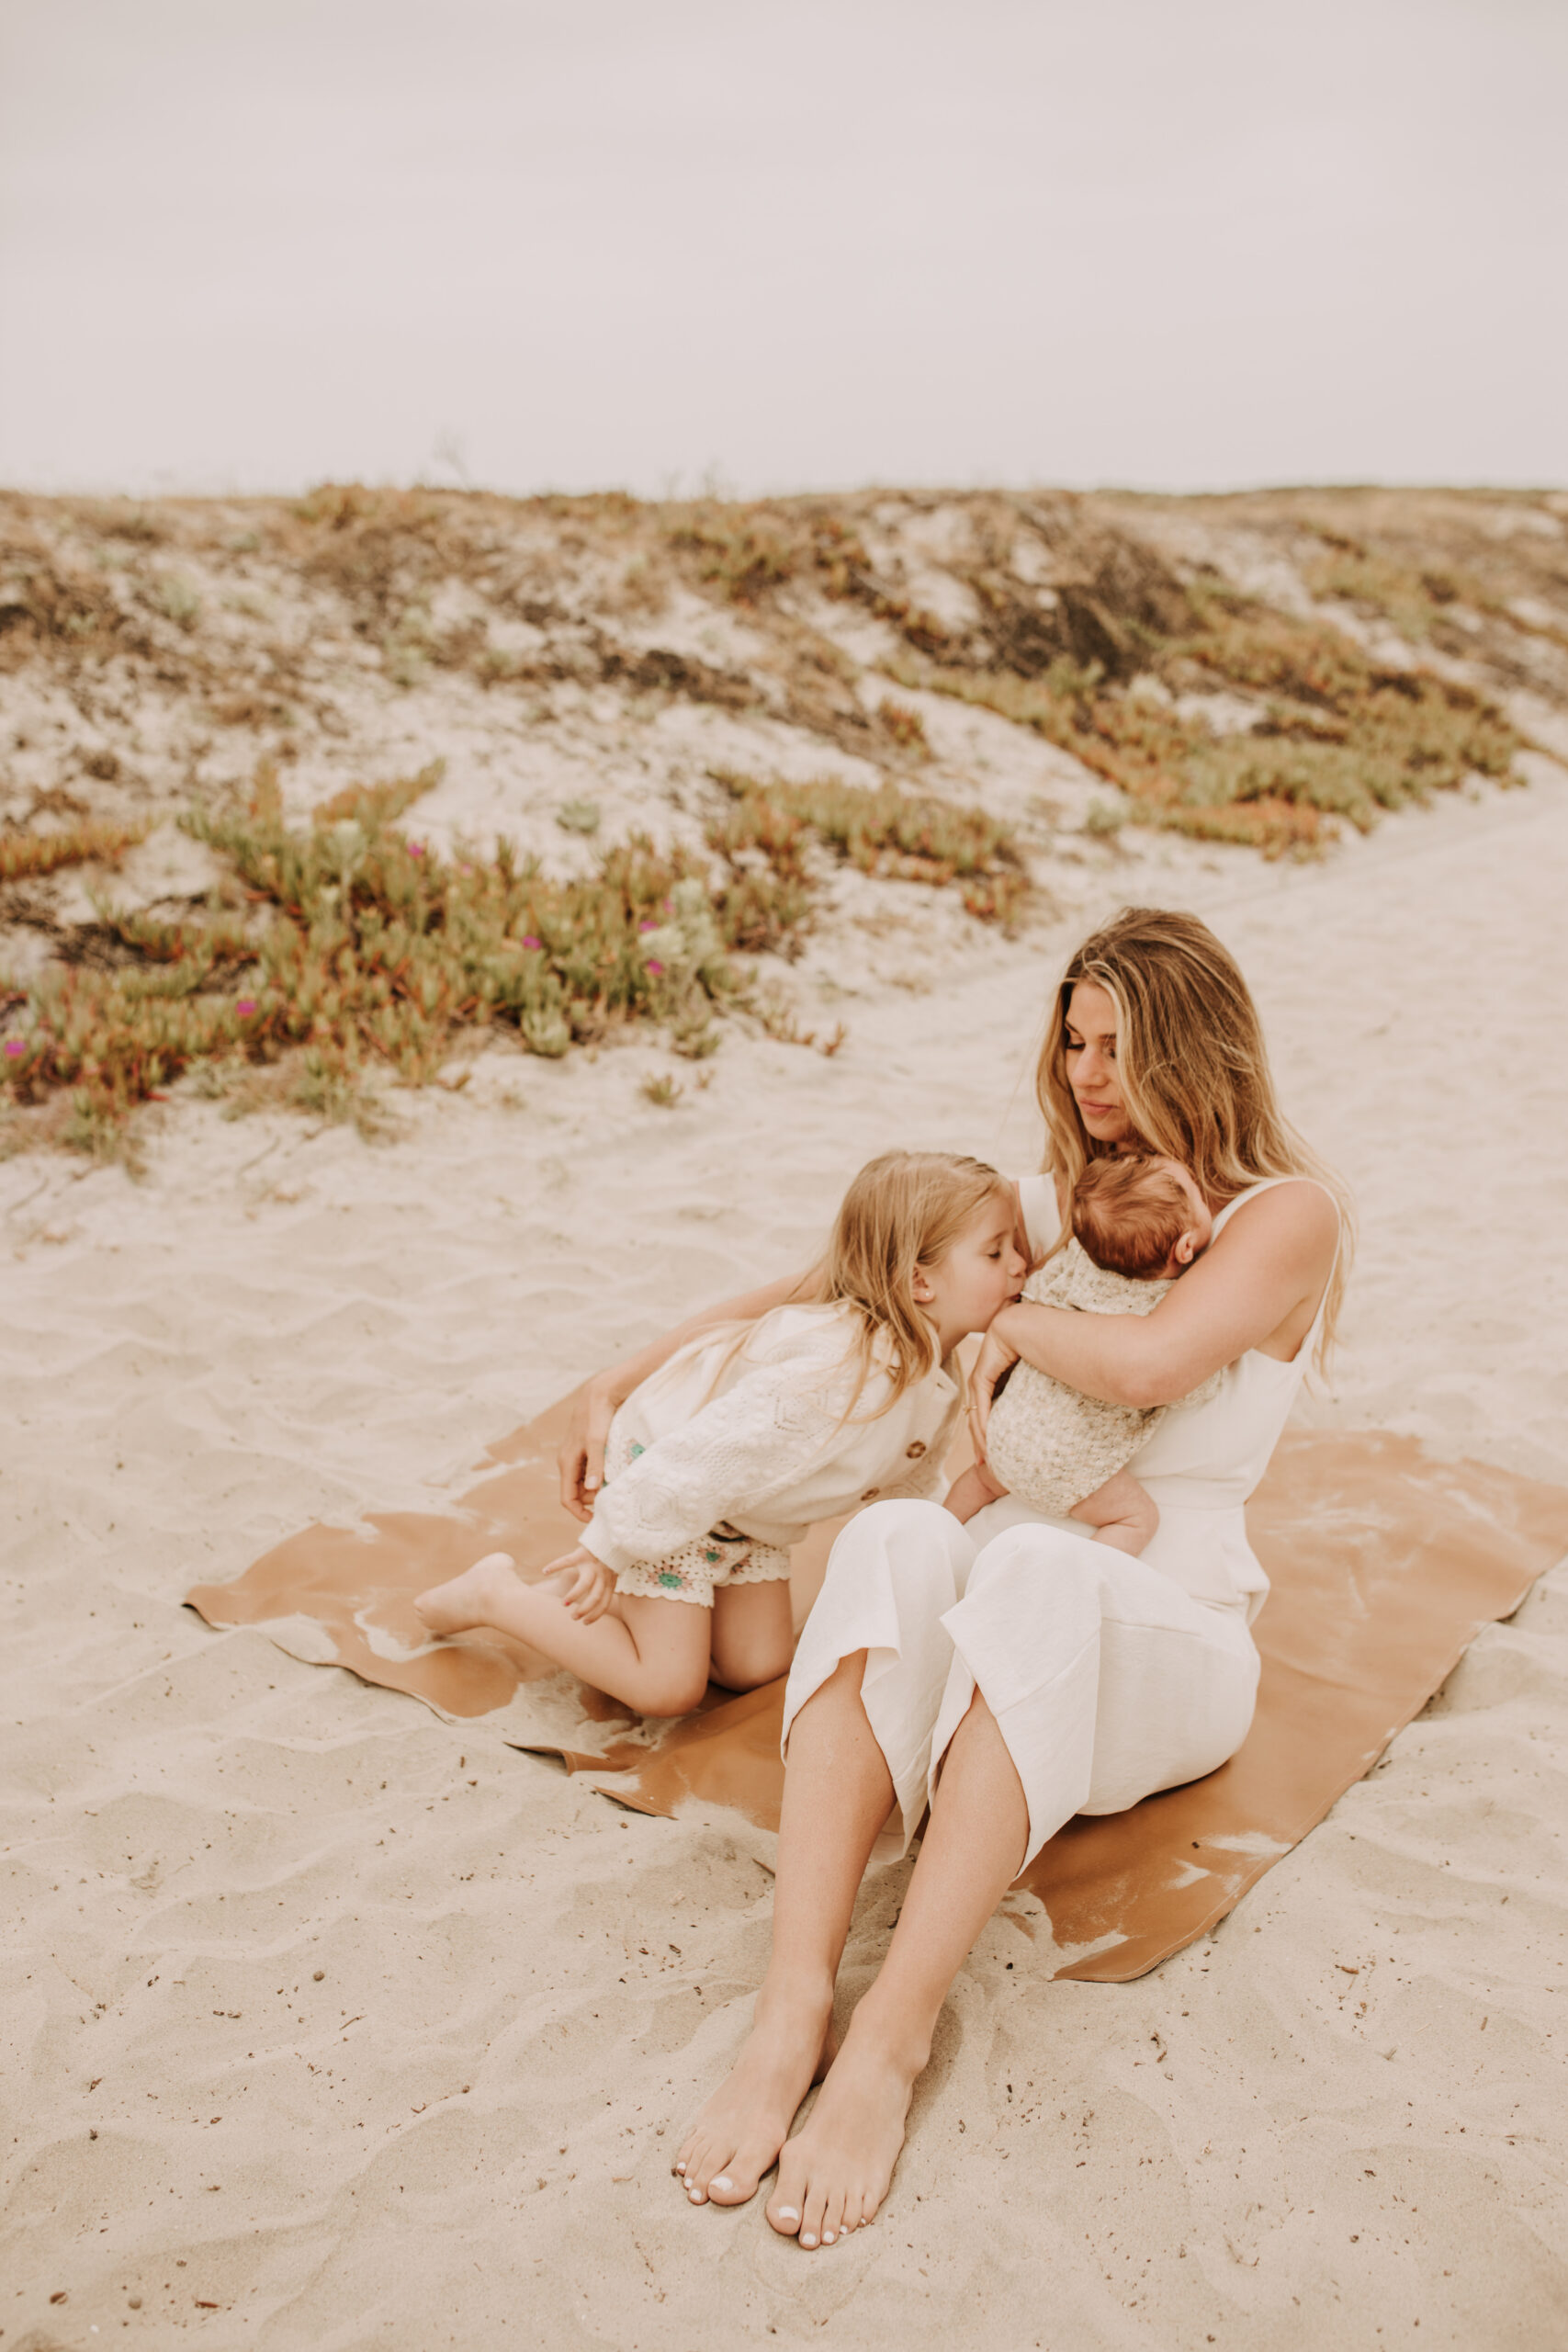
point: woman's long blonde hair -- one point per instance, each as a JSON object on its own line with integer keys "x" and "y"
{"x": 1192, "y": 1066}
{"x": 903, "y": 1211}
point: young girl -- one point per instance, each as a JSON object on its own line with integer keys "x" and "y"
{"x": 743, "y": 1440}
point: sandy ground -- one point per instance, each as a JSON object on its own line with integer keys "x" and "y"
{"x": 433, "y": 2102}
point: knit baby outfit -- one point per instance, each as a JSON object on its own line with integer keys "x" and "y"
{"x": 1050, "y": 1444}
{"x": 715, "y": 1467}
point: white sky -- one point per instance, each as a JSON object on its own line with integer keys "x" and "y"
{"x": 782, "y": 243}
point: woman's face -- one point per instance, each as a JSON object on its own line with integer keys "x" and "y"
{"x": 1092, "y": 1063}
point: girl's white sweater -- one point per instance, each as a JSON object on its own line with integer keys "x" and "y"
{"x": 769, "y": 1453}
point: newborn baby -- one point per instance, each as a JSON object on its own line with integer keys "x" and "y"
{"x": 1137, "y": 1223}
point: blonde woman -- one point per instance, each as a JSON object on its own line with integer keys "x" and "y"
{"x": 728, "y": 1454}
{"x": 1011, "y": 1671}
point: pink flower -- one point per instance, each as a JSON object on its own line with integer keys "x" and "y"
{"x": 416, "y": 849}
{"x": 14, "y": 1046}
{"x": 647, "y": 926}
{"x": 655, "y": 966}
{"x": 529, "y": 940}
{"x": 245, "y": 1006}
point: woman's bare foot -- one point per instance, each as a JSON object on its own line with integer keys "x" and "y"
{"x": 743, "y": 2127}
{"x": 836, "y": 2172}
{"x": 468, "y": 1599}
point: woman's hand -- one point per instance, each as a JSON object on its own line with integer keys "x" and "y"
{"x": 579, "y": 1457}
{"x": 589, "y": 1588}
{"x": 995, "y": 1358}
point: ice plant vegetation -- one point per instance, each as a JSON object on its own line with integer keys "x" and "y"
{"x": 1364, "y": 664}
{"x": 1333, "y": 731}
{"x": 353, "y": 951}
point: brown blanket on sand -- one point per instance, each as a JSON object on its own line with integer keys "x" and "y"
{"x": 1385, "y": 1565}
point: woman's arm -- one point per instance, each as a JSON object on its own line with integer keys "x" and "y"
{"x": 580, "y": 1455}
{"x": 1257, "y": 1287}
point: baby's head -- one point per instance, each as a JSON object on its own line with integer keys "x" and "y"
{"x": 924, "y": 1243}
{"x": 1140, "y": 1216}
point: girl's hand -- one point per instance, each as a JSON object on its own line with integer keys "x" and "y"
{"x": 580, "y": 1455}
{"x": 591, "y": 1586}
{"x": 995, "y": 1358}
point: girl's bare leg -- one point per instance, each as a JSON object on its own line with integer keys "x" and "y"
{"x": 835, "y": 2175}
{"x": 652, "y": 1654}
{"x": 837, "y": 1797}
{"x": 753, "y": 1636}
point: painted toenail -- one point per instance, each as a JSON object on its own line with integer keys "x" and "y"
{"x": 696, "y": 2195}
{"x": 807, "y": 2239}
{"x": 827, "y": 2237}
{"x": 788, "y": 2213}
{"x": 723, "y": 2181}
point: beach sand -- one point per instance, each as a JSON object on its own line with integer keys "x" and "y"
{"x": 329, "y": 2026}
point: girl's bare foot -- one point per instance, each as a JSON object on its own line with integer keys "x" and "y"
{"x": 836, "y": 2172}
{"x": 743, "y": 2127}
{"x": 468, "y": 1599}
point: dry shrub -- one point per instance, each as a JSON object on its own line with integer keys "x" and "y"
{"x": 902, "y": 724}
{"x": 881, "y": 830}
{"x": 250, "y": 708}
{"x": 23, "y": 856}
{"x": 51, "y": 609}
{"x": 746, "y": 552}
{"x": 1338, "y": 734}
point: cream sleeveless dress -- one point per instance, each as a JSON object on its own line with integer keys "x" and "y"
{"x": 1110, "y": 1678}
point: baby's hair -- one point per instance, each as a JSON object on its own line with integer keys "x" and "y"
{"x": 904, "y": 1210}
{"x": 1129, "y": 1214}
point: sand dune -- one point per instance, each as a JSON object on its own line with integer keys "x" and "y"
{"x": 324, "y": 2028}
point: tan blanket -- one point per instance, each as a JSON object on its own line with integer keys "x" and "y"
{"x": 1385, "y": 1565}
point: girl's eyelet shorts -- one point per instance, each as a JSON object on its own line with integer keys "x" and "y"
{"x": 693, "y": 1572}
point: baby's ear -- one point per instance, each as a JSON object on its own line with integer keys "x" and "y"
{"x": 1186, "y": 1249}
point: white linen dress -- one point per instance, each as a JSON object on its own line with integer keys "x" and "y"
{"x": 1110, "y": 1677}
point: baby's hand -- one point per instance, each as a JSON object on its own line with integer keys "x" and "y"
{"x": 591, "y": 1587}
{"x": 971, "y": 1490}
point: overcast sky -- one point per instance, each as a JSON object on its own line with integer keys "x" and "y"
{"x": 1188, "y": 244}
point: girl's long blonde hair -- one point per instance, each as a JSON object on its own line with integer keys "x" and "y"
{"x": 904, "y": 1210}
{"x": 1192, "y": 1069}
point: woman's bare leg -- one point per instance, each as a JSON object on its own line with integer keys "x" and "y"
{"x": 652, "y": 1654}
{"x": 836, "y": 2174}
{"x": 837, "y": 1797}
{"x": 753, "y": 1636}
